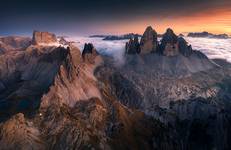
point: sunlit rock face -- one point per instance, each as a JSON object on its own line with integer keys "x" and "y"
{"x": 75, "y": 80}
{"x": 170, "y": 44}
{"x": 19, "y": 133}
{"x": 148, "y": 42}
{"x": 25, "y": 76}
{"x": 43, "y": 38}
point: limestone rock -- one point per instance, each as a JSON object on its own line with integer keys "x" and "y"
{"x": 18, "y": 133}
{"x": 184, "y": 48}
{"x": 89, "y": 53}
{"x": 133, "y": 46}
{"x": 10, "y": 43}
{"x": 43, "y": 38}
{"x": 169, "y": 45}
{"x": 148, "y": 42}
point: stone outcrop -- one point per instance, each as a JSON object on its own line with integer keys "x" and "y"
{"x": 169, "y": 44}
{"x": 12, "y": 43}
{"x": 148, "y": 42}
{"x": 43, "y": 38}
{"x": 172, "y": 45}
{"x": 27, "y": 75}
{"x": 184, "y": 48}
{"x": 89, "y": 53}
{"x": 133, "y": 46}
{"x": 18, "y": 133}
{"x": 63, "y": 41}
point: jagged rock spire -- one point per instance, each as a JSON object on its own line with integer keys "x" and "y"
{"x": 89, "y": 53}
{"x": 133, "y": 46}
{"x": 148, "y": 42}
{"x": 169, "y": 44}
{"x": 184, "y": 48}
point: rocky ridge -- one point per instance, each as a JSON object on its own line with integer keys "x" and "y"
{"x": 13, "y": 43}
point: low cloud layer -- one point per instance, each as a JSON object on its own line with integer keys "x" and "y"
{"x": 213, "y": 48}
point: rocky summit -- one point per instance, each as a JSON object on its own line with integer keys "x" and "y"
{"x": 89, "y": 53}
{"x": 60, "y": 97}
{"x": 43, "y": 38}
{"x": 169, "y": 45}
{"x": 148, "y": 42}
{"x": 133, "y": 46}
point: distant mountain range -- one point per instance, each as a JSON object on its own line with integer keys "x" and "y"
{"x": 208, "y": 35}
{"x": 132, "y": 35}
{"x": 116, "y": 37}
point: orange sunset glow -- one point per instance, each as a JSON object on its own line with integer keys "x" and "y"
{"x": 215, "y": 21}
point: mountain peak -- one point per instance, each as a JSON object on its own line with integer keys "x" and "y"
{"x": 169, "y": 45}
{"x": 43, "y": 38}
{"x": 148, "y": 42}
{"x": 89, "y": 53}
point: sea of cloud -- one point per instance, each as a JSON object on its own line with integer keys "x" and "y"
{"x": 213, "y": 48}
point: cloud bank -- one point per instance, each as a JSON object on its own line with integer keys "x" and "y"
{"x": 213, "y": 48}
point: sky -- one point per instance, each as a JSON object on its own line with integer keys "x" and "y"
{"x": 85, "y": 17}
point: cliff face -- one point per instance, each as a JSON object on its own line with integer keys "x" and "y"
{"x": 170, "y": 45}
{"x": 26, "y": 75}
{"x": 195, "y": 105}
{"x": 148, "y": 42}
{"x": 43, "y": 38}
{"x": 19, "y": 133}
{"x": 75, "y": 80}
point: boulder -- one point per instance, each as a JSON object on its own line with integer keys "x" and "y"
{"x": 148, "y": 42}
{"x": 43, "y": 38}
